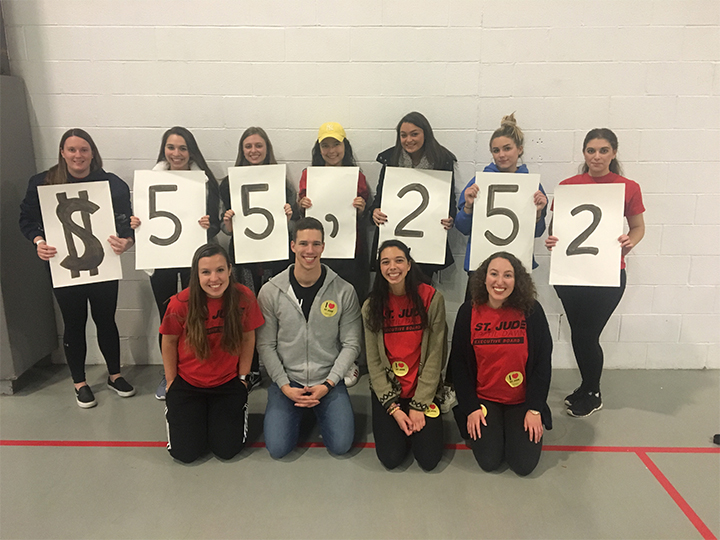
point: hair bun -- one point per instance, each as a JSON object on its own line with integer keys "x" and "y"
{"x": 508, "y": 120}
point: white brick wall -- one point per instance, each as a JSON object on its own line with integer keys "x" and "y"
{"x": 649, "y": 69}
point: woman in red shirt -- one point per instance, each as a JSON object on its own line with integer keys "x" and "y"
{"x": 588, "y": 309}
{"x": 501, "y": 361}
{"x": 406, "y": 342}
{"x": 208, "y": 338}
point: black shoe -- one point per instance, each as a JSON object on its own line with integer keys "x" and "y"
{"x": 572, "y": 398}
{"x": 253, "y": 379}
{"x": 84, "y": 397}
{"x": 121, "y": 386}
{"x": 586, "y": 405}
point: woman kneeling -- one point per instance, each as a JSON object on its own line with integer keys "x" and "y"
{"x": 405, "y": 337}
{"x": 500, "y": 357}
{"x": 208, "y": 337}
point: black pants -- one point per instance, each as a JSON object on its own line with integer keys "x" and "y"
{"x": 73, "y": 302}
{"x": 164, "y": 286}
{"x": 504, "y": 438}
{"x": 588, "y": 310}
{"x": 202, "y": 418}
{"x": 355, "y": 271}
{"x": 392, "y": 445}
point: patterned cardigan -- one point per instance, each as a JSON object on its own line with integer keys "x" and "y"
{"x": 433, "y": 356}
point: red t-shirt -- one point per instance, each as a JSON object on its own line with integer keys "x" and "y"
{"x": 499, "y": 339}
{"x": 633, "y": 195}
{"x": 402, "y": 337}
{"x": 221, "y": 366}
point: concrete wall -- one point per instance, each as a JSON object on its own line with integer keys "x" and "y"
{"x": 648, "y": 69}
{"x": 27, "y": 322}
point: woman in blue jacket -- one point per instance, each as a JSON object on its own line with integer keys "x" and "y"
{"x": 506, "y": 146}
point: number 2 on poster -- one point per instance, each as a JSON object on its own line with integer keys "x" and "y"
{"x": 574, "y": 247}
{"x": 400, "y": 230}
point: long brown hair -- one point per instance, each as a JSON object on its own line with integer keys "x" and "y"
{"x": 436, "y": 154}
{"x": 380, "y": 294}
{"x": 58, "y": 174}
{"x": 523, "y": 295}
{"x": 196, "y": 155}
{"x": 195, "y": 325}
{"x": 240, "y": 161}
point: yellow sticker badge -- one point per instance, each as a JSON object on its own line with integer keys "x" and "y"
{"x": 400, "y": 368}
{"x": 329, "y": 308}
{"x": 514, "y": 379}
{"x": 433, "y": 411}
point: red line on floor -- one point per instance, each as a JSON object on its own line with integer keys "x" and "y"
{"x": 633, "y": 449}
{"x": 451, "y": 446}
{"x": 675, "y": 495}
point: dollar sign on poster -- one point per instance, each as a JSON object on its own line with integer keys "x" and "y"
{"x": 93, "y": 253}
{"x": 78, "y": 219}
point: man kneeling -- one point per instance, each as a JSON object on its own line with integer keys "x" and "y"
{"x": 310, "y": 338}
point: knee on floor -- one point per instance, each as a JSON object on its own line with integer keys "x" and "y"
{"x": 488, "y": 463}
{"x": 185, "y": 455}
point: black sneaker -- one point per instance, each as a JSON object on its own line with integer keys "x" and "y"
{"x": 84, "y": 397}
{"x": 572, "y": 398}
{"x": 253, "y": 379}
{"x": 121, "y": 386}
{"x": 586, "y": 405}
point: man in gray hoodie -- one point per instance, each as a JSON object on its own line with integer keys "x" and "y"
{"x": 310, "y": 338}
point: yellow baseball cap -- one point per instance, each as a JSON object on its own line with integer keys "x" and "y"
{"x": 331, "y": 129}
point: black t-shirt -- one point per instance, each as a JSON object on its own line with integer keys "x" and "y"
{"x": 306, "y": 295}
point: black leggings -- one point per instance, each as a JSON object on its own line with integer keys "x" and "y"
{"x": 504, "y": 438}
{"x": 73, "y": 302}
{"x": 588, "y": 310}
{"x": 164, "y": 286}
{"x": 201, "y": 418}
{"x": 392, "y": 445}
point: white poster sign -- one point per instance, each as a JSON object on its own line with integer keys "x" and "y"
{"x": 332, "y": 191}
{"x": 169, "y": 205}
{"x": 415, "y": 200}
{"x": 504, "y": 217}
{"x": 257, "y": 195}
{"x": 587, "y": 220}
{"x": 78, "y": 220}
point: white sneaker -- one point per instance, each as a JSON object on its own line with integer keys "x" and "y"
{"x": 352, "y": 376}
{"x": 448, "y": 399}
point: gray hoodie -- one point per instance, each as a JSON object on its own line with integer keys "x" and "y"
{"x": 308, "y": 352}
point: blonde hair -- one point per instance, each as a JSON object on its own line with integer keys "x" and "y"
{"x": 509, "y": 128}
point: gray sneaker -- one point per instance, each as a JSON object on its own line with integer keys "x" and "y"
{"x": 352, "y": 376}
{"x": 448, "y": 399}
{"x": 161, "y": 389}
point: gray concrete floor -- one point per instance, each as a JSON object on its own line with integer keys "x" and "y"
{"x": 600, "y": 487}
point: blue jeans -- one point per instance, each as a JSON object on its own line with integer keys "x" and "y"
{"x": 282, "y": 421}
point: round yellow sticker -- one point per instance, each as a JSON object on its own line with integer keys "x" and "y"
{"x": 514, "y": 379}
{"x": 483, "y": 410}
{"x": 329, "y": 308}
{"x": 433, "y": 411}
{"x": 400, "y": 368}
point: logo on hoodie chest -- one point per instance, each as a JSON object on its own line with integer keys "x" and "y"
{"x": 329, "y": 308}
